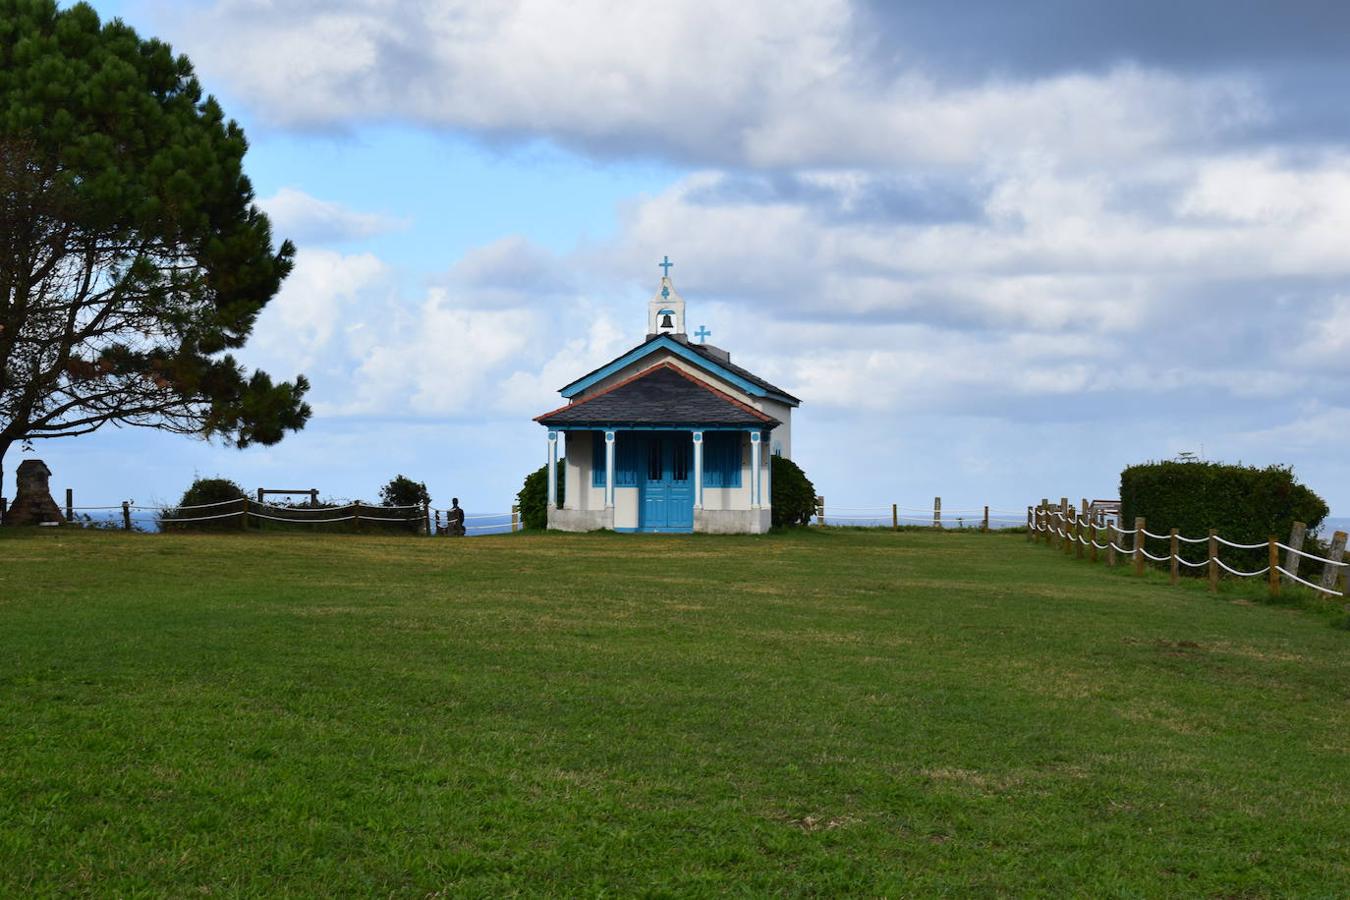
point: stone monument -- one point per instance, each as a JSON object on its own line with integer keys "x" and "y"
{"x": 33, "y": 504}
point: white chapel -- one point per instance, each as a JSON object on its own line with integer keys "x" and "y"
{"x": 668, "y": 437}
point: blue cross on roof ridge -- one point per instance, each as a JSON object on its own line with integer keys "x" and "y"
{"x": 703, "y": 334}
{"x": 665, "y": 265}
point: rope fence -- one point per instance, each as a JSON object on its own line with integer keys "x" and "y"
{"x": 249, "y": 513}
{"x": 1070, "y": 530}
{"x": 895, "y": 515}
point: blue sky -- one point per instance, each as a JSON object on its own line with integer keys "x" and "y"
{"x": 999, "y": 256}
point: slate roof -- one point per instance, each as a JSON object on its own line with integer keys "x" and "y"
{"x": 704, "y": 354}
{"x": 661, "y": 395}
{"x": 731, "y": 367}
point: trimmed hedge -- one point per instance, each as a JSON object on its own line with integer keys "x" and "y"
{"x": 793, "y": 497}
{"x": 1244, "y": 504}
{"x": 533, "y": 497}
{"x": 201, "y": 492}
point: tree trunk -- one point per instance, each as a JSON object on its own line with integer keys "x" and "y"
{"x": 5, "y": 444}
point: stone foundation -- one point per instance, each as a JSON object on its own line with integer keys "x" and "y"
{"x": 580, "y": 519}
{"x": 732, "y": 521}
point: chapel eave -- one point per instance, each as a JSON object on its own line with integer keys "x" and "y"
{"x": 660, "y": 396}
{"x": 683, "y": 348}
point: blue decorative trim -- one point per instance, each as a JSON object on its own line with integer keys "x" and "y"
{"x": 698, "y": 437}
{"x": 553, "y": 435}
{"x": 754, "y": 437}
{"x": 671, "y": 427}
{"x": 664, "y": 342}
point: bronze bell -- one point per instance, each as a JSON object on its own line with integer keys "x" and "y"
{"x": 667, "y": 322}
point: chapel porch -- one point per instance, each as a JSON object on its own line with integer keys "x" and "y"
{"x": 660, "y": 452}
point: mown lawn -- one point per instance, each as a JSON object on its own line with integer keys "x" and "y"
{"x": 816, "y": 713}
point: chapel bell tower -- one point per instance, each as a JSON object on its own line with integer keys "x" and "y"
{"x": 665, "y": 311}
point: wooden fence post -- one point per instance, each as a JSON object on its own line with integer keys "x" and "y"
{"x": 1291, "y": 557}
{"x": 126, "y": 515}
{"x": 1078, "y": 535}
{"x": 425, "y": 525}
{"x": 1031, "y": 525}
{"x": 243, "y": 514}
{"x": 313, "y": 498}
{"x": 1175, "y": 559}
{"x": 260, "y": 494}
{"x": 985, "y": 525}
{"x": 1111, "y": 544}
{"x": 1330, "y": 571}
{"x": 937, "y": 512}
{"x": 515, "y": 518}
{"x": 1071, "y": 529}
{"x": 895, "y": 517}
{"x": 4, "y": 508}
{"x": 1274, "y": 565}
{"x": 1085, "y": 521}
{"x": 1213, "y": 561}
{"x": 1092, "y": 539}
{"x": 70, "y": 504}
{"x": 1045, "y": 505}
{"x": 820, "y": 510}
{"x": 1138, "y": 545}
{"x": 356, "y": 515}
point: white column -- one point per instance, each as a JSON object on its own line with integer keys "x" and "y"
{"x": 553, "y": 470}
{"x": 609, "y": 469}
{"x": 768, "y": 479}
{"x": 698, "y": 470}
{"x": 754, "y": 470}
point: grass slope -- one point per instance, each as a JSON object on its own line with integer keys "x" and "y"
{"x": 809, "y": 713}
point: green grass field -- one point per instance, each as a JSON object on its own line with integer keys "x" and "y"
{"x": 816, "y": 713}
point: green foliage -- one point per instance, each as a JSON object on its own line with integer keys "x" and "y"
{"x": 123, "y": 203}
{"x": 201, "y": 492}
{"x": 815, "y": 712}
{"x": 403, "y": 491}
{"x": 533, "y": 498}
{"x": 794, "y": 497}
{"x": 1244, "y": 504}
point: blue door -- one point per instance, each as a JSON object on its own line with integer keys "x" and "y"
{"x": 666, "y": 494}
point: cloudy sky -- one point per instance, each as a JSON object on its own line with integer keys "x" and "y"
{"x": 1000, "y": 250}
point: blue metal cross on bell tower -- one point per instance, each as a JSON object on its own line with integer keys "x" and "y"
{"x": 665, "y": 265}
{"x": 703, "y": 334}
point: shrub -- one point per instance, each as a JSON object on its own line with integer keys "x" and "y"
{"x": 403, "y": 491}
{"x": 794, "y": 497}
{"x": 201, "y": 492}
{"x": 533, "y": 498}
{"x": 1244, "y": 504}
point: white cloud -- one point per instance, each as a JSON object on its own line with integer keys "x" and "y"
{"x": 309, "y": 220}
{"x": 782, "y": 84}
{"x": 326, "y": 293}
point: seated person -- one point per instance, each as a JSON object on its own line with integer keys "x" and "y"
{"x": 454, "y": 519}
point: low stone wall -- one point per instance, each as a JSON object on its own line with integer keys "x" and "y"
{"x": 580, "y": 519}
{"x": 732, "y": 521}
